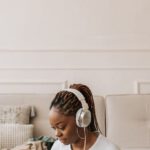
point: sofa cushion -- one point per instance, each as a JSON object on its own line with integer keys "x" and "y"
{"x": 15, "y": 114}
{"x": 12, "y": 135}
{"x": 128, "y": 120}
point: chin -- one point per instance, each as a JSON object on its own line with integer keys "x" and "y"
{"x": 65, "y": 142}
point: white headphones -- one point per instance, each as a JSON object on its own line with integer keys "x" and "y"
{"x": 83, "y": 115}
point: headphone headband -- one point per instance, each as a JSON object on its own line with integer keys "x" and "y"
{"x": 80, "y": 97}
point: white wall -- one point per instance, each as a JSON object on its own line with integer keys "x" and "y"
{"x": 46, "y": 45}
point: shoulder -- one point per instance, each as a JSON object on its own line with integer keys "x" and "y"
{"x": 59, "y": 146}
{"x": 105, "y": 144}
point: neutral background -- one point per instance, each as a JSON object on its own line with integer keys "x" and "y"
{"x": 47, "y": 44}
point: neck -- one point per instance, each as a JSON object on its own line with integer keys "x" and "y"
{"x": 85, "y": 142}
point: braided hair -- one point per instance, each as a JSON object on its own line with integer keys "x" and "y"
{"x": 68, "y": 104}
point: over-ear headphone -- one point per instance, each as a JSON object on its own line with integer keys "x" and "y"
{"x": 83, "y": 115}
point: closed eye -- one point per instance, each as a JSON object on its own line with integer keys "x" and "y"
{"x": 61, "y": 128}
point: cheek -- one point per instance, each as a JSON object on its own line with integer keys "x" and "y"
{"x": 71, "y": 132}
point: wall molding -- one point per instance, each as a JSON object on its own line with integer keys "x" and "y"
{"x": 138, "y": 85}
{"x": 33, "y": 82}
{"x": 78, "y": 68}
{"x": 72, "y": 50}
{"x": 31, "y": 86}
{"x": 74, "y": 68}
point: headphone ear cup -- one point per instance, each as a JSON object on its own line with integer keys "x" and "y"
{"x": 83, "y": 118}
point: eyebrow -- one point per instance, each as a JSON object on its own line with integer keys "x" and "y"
{"x": 58, "y": 123}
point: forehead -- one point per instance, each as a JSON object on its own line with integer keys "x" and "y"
{"x": 56, "y": 117}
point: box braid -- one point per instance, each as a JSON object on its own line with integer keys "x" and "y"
{"x": 68, "y": 104}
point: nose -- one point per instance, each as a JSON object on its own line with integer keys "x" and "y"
{"x": 58, "y": 133}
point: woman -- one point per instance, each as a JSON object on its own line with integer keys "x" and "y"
{"x": 72, "y": 116}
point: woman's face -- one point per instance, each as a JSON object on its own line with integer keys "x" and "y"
{"x": 64, "y": 126}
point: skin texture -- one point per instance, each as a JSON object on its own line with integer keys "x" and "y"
{"x": 66, "y": 130}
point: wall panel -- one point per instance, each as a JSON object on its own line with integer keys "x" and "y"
{"x": 105, "y": 71}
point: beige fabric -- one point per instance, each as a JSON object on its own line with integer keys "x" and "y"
{"x": 33, "y": 145}
{"x": 100, "y": 112}
{"x": 14, "y": 134}
{"x": 41, "y": 103}
{"x": 128, "y": 120}
{"x": 15, "y": 114}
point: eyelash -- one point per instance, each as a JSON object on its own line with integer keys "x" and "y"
{"x": 61, "y": 128}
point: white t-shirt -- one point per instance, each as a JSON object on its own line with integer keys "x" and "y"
{"x": 102, "y": 143}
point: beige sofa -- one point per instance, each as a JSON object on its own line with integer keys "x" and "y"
{"x": 124, "y": 119}
{"x": 128, "y": 121}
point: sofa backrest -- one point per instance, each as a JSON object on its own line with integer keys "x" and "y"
{"x": 128, "y": 120}
{"x": 100, "y": 113}
{"x": 41, "y": 103}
